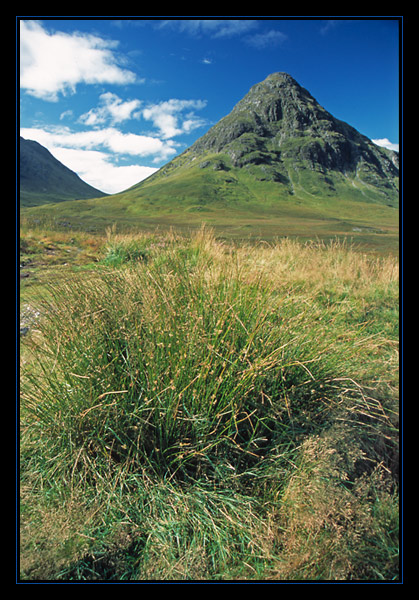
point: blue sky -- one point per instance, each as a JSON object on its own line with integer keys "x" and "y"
{"x": 116, "y": 98}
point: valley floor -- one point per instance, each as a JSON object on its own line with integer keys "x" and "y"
{"x": 194, "y": 408}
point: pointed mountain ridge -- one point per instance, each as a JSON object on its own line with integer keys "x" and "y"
{"x": 279, "y": 131}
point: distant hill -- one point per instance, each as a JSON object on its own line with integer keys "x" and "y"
{"x": 44, "y": 179}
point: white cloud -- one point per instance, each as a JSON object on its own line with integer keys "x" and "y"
{"x": 93, "y": 154}
{"x": 97, "y": 169}
{"x": 225, "y": 28}
{"x": 166, "y": 116}
{"x": 67, "y": 114}
{"x": 328, "y": 26}
{"x": 215, "y": 28}
{"x": 139, "y": 145}
{"x": 54, "y": 63}
{"x": 111, "y": 108}
{"x": 109, "y": 138}
{"x": 267, "y": 39}
{"x": 385, "y": 143}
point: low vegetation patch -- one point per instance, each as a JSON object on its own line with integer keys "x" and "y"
{"x": 197, "y": 410}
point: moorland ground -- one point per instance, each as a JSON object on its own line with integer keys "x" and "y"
{"x": 197, "y": 408}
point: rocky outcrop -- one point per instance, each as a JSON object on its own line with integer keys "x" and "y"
{"x": 278, "y": 133}
{"x": 278, "y": 119}
{"x": 29, "y": 316}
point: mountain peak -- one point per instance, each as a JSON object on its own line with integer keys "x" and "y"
{"x": 274, "y": 97}
{"x": 280, "y": 79}
{"x": 278, "y": 103}
{"x": 280, "y": 129}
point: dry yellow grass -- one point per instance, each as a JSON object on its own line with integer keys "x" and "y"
{"x": 216, "y": 411}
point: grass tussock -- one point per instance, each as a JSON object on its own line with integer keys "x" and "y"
{"x": 196, "y": 410}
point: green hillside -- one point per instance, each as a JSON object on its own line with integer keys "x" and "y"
{"x": 235, "y": 204}
{"x": 278, "y": 164}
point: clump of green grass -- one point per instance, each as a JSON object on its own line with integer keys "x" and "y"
{"x": 180, "y": 371}
{"x": 178, "y": 395}
{"x": 122, "y": 249}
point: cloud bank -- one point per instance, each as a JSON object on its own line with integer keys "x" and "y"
{"x": 166, "y": 116}
{"x": 96, "y": 155}
{"x": 111, "y": 108}
{"x": 97, "y": 169}
{"x": 96, "y": 151}
{"x": 385, "y": 143}
{"x": 215, "y": 28}
{"x": 55, "y": 63}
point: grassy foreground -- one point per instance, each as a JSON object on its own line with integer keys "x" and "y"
{"x": 199, "y": 410}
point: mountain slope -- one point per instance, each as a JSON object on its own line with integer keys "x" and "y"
{"x": 44, "y": 179}
{"x": 278, "y": 164}
{"x": 278, "y": 133}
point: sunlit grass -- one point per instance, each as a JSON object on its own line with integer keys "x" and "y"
{"x": 211, "y": 408}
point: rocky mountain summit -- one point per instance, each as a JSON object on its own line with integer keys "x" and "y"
{"x": 278, "y": 132}
{"x": 264, "y": 126}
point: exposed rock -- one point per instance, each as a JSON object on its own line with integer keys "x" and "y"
{"x": 29, "y": 316}
{"x": 279, "y": 133}
{"x": 279, "y": 117}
